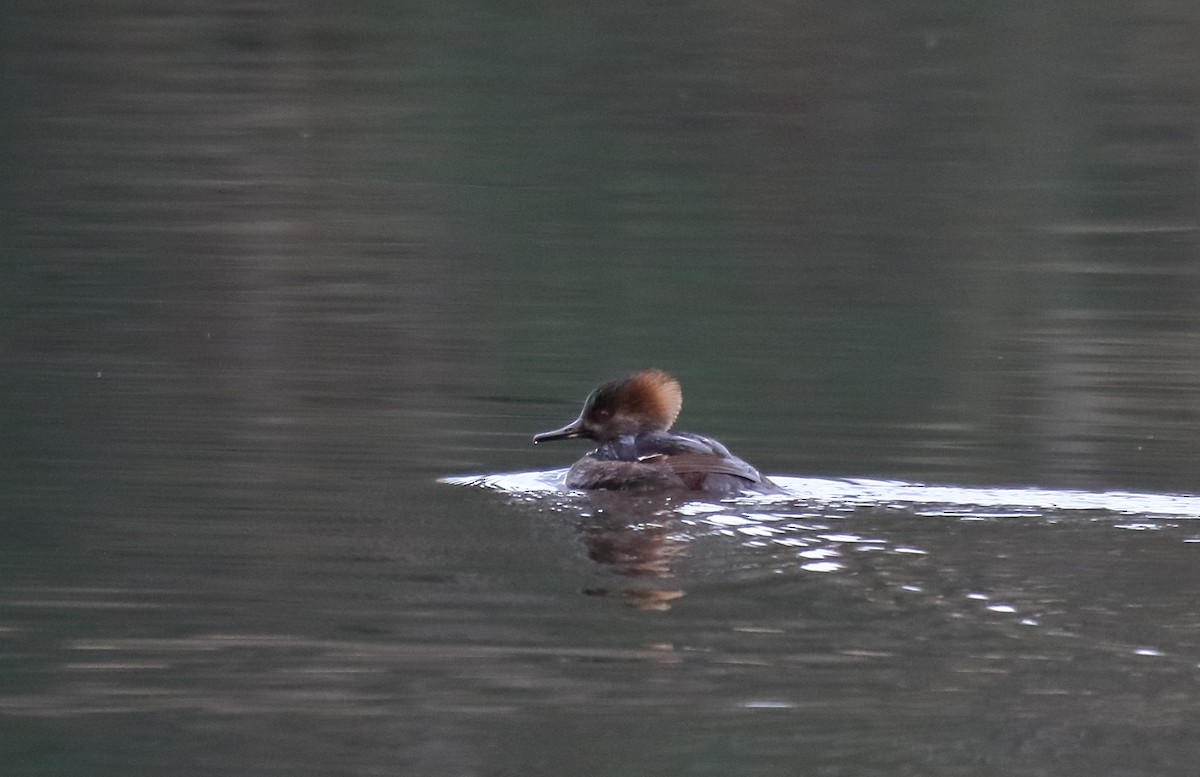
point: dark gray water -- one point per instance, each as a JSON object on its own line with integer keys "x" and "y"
{"x": 270, "y": 274}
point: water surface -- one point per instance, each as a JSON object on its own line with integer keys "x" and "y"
{"x": 272, "y": 273}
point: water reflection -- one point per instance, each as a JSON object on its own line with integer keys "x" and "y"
{"x": 639, "y": 540}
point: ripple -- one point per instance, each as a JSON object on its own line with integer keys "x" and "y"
{"x": 832, "y": 495}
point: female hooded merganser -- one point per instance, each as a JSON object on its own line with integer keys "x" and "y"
{"x": 630, "y": 419}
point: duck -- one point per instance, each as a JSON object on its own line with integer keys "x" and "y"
{"x": 631, "y": 418}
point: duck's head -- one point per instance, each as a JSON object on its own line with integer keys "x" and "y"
{"x": 644, "y": 402}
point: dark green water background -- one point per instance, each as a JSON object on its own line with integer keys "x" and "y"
{"x": 270, "y": 270}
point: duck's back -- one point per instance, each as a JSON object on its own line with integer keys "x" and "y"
{"x": 679, "y": 459}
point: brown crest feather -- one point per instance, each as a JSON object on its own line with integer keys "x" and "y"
{"x": 659, "y": 395}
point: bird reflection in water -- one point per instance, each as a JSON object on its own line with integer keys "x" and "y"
{"x": 638, "y": 538}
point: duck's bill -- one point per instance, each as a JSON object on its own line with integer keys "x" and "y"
{"x": 571, "y": 430}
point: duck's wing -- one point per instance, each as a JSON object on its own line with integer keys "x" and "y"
{"x": 719, "y": 475}
{"x": 690, "y": 463}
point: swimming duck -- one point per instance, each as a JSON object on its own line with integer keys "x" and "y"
{"x": 631, "y": 420}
